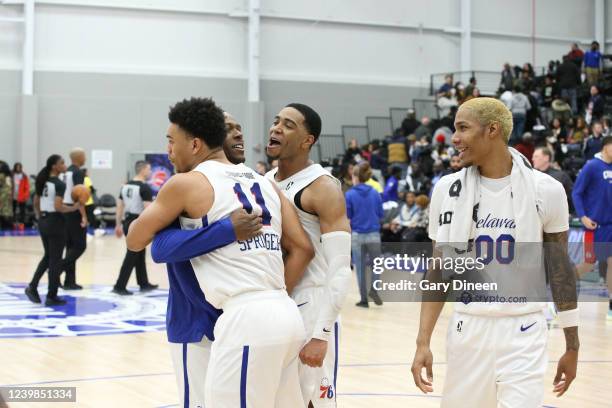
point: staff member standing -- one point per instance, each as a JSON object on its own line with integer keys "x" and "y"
{"x": 76, "y": 221}
{"x": 48, "y": 207}
{"x": 134, "y": 197}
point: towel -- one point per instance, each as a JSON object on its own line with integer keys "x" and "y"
{"x": 461, "y": 206}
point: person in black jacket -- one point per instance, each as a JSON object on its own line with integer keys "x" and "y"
{"x": 595, "y": 108}
{"x": 568, "y": 78}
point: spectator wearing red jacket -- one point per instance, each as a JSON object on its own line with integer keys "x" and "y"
{"x": 21, "y": 194}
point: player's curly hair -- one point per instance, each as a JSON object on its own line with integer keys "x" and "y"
{"x": 490, "y": 110}
{"x": 201, "y": 118}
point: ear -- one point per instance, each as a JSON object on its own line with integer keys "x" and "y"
{"x": 308, "y": 141}
{"x": 494, "y": 130}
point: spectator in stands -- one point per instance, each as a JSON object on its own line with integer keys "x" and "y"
{"x": 274, "y": 164}
{"x": 519, "y": 105}
{"x": 366, "y": 152}
{"x": 416, "y": 181}
{"x": 446, "y": 101}
{"x": 375, "y": 184}
{"x": 593, "y": 63}
{"x": 595, "y": 107}
{"x": 469, "y": 89}
{"x": 455, "y": 163}
{"x": 352, "y": 151}
{"x": 346, "y": 176}
{"x": 557, "y": 128}
{"x": 261, "y": 167}
{"x": 378, "y": 161}
{"x": 446, "y": 86}
{"x": 424, "y": 129}
{"x": 460, "y": 93}
{"x": 568, "y": 78}
{"x": 410, "y": 123}
{"x": 6, "y": 197}
{"x": 578, "y": 131}
{"x": 576, "y": 55}
{"x": 21, "y": 194}
{"x": 526, "y": 146}
{"x": 392, "y": 228}
{"x": 442, "y": 150}
{"x": 391, "y": 188}
{"x": 507, "y": 78}
{"x": 542, "y": 160}
{"x": 364, "y": 210}
{"x": 448, "y": 121}
{"x": 593, "y": 143}
{"x": 397, "y": 155}
{"x": 439, "y": 171}
{"x": 475, "y": 93}
{"x": 549, "y": 92}
{"x": 552, "y": 68}
{"x": 592, "y": 197}
{"x": 525, "y": 81}
{"x": 414, "y": 229}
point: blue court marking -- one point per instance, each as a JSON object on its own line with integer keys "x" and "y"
{"x": 119, "y": 377}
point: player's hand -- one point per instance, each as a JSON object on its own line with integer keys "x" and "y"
{"x": 245, "y": 225}
{"x": 84, "y": 222}
{"x": 588, "y": 223}
{"x": 423, "y": 358}
{"x": 313, "y": 353}
{"x": 118, "y": 231}
{"x": 566, "y": 372}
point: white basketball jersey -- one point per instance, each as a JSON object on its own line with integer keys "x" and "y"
{"x": 316, "y": 271}
{"x": 243, "y": 266}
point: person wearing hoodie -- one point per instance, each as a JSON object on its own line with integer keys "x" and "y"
{"x": 364, "y": 210}
{"x": 391, "y": 188}
{"x": 592, "y": 196}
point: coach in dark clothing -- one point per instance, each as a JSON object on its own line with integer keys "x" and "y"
{"x": 76, "y": 221}
{"x": 568, "y": 78}
{"x": 134, "y": 197}
{"x": 542, "y": 159}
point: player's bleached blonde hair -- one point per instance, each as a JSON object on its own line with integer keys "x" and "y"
{"x": 491, "y": 110}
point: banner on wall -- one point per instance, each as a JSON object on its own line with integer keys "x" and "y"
{"x": 161, "y": 170}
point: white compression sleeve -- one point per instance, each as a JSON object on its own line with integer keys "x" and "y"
{"x": 337, "y": 252}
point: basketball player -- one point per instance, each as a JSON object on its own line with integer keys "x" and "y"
{"x": 76, "y": 221}
{"x": 496, "y": 352}
{"x": 49, "y": 206}
{"x": 190, "y": 318}
{"x": 319, "y": 201}
{"x": 253, "y": 359}
{"x": 134, "y": 197}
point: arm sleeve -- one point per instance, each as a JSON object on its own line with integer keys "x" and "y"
{"x": 337, "y": 253}
{"x": 78, "y": 177}
{"x": 60, "y": 189}
{"x": 146, "y": 193}
{"x": 177, "y": 245}
{"x": 578, "y": 193}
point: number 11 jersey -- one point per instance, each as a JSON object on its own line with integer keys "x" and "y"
{"x": 252, "y": 265}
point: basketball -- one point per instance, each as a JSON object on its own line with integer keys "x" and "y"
{"x": 80, "y": 193}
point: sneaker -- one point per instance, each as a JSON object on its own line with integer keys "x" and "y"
{"x": 362, "y": 304}
{"x": 374, "y": 296}
{"x": 148, "y": 287}
{"x": 121, "y": 292}
{"x": 54, "y": 301}
{"x": 72, "y": 286}
{"x": 32, "y": 294}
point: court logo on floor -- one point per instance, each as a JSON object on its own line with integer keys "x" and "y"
{"x": 91, "y": 311}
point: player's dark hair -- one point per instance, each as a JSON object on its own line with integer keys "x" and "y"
{"x": 43, "y": 175}
{"x": 312, "y": 120}
{"x": 201, "y": 118}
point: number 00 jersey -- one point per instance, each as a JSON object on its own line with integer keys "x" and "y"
{"x": 244, "y": 266}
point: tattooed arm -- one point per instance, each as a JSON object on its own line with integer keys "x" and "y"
{"x": 562, "y": 277}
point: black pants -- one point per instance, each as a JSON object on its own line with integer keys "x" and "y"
{"x": 76, "y": 243}
{"x": 132, "y": 260}
{"x": 22, "y": 211}
{"x": 52, "y": 232}
{"x": 91, "y": 218}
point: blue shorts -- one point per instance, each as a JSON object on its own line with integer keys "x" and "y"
{"x": 603, "y": 242}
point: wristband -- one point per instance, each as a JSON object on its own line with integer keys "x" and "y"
{"x": 569, "y": 318}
